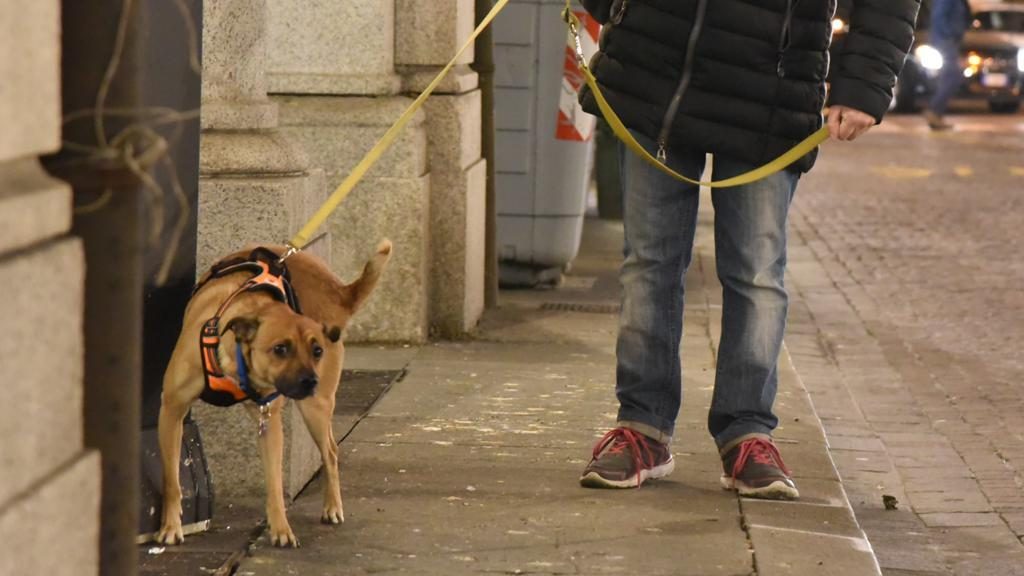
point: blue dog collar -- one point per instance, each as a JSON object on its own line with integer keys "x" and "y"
{"x": 243, "y": 380}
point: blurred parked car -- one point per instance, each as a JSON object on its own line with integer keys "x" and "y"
{"x": 992, "y": 58}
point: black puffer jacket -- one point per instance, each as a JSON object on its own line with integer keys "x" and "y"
{"x": 747, "y": 76}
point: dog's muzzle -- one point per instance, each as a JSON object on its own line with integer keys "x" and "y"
{"x": 301, "y": 388}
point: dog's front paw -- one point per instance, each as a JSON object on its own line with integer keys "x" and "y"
{"x": 170, "y": 534}
{"x": 333, "y": 514}
{"x": 283, "y": 537}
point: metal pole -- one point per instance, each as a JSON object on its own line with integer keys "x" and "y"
{"x": 484, "y": 66}
{"x": 113, "y": 364}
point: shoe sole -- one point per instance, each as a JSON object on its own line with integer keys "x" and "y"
{"x": 595, "y": 480}
{"x": 777, "y": 490}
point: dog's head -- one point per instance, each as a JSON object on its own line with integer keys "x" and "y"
{"x": 283, "y": 350}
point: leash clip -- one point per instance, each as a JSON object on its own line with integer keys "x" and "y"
{"x": 291, "y": 251}
{"x": 574, "y": 29}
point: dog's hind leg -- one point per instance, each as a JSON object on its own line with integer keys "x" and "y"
{"x": 174, "y": 405}
{"x": 317, "y": 412}
{"x": 272, "y": 453}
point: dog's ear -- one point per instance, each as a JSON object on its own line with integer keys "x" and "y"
{"x": 244, "y": 328}
{"x": 333, "y": 333}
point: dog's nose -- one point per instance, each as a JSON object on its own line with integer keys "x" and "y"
{"x": 309, "y": 383}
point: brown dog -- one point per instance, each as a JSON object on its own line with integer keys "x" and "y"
{"x": 297, "y": 356}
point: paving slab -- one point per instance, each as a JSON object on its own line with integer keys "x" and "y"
{"x": 786, "y": 551}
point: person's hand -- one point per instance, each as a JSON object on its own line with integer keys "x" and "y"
{"x": 847, "y": 124}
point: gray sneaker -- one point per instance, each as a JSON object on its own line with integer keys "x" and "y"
{"x": 754, "y": 468}
{"x": 624, "y": 458}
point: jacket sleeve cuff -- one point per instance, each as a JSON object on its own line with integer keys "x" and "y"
{"x": 860, "y": 95}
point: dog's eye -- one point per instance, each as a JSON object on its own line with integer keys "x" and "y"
{"x": 317, "y": 351}
{"x": 281, "y": 350}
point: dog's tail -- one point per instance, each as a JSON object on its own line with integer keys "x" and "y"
{"x": 358, "y": 291}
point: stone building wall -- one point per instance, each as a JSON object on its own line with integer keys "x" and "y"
{"x": 342, "y": 73}
{"x": 338, "y": 74}
{"x": 49, "y": 484}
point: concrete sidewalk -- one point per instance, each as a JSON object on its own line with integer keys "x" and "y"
{"x": 470, "y": 464}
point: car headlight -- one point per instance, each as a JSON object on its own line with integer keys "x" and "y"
{"x": 1020, "y": 59}
{"x": 929, "y": 57}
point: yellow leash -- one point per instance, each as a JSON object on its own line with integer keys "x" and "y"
{"x": 302, "y": 238}
{"x": 620, "y": 130}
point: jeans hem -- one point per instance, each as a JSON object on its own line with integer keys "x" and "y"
{"x": 649, "y": 430}
{"x": 730, "y": 439}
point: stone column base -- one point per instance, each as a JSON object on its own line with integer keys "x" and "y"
{"x": 458, "y": 176}
{"x": 253, "y": 188}
{"x": 392, "y": 201}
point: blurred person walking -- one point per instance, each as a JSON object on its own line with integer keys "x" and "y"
{"x": 949, "y": 22}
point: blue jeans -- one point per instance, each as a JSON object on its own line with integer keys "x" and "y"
{"x": 660, "y": 216}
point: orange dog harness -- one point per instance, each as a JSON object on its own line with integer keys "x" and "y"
{"x": 268, "y": 275}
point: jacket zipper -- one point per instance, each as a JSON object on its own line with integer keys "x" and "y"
{"x": 786, "y": 38}
{"x": 618, "y": 12}
{"x": 673, "y": 108}
{"x": 684, "y": 83}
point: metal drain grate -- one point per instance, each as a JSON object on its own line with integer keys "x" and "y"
{"x": 581, "y": 307}
{"x": 361, "y": 388}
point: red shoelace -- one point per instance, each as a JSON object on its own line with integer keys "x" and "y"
{"x": 622, "y": 438}
{"x": 762, "y": 451}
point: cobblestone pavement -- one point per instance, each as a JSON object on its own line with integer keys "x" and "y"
{"x": 906, "y": 325}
